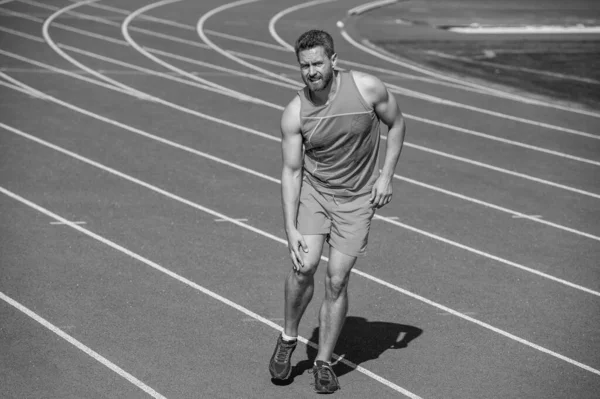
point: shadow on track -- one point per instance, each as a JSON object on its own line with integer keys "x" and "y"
{"x": 360, "y": 341}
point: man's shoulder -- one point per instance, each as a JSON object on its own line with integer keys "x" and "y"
{"x": 290, "y": 119}
{"x": 371, "y": 87}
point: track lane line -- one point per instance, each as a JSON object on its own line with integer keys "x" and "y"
{"x": 274, "y": 138}
{"x": 125, "y": 32}
{"x": 399, "y": 177}
{"x": 498, "y": 93}
{"x": 408, "y": 144}
{"x": 393, "y": 88}
{"x": 277, "y": 239}
{"x": 255, "y": 173}
{"x": 181, "y": 279}
{"x": 270, "y": 137}
{"x": 84, "y": 348}
{"x": 424, "y": 96}
{"x": 403, "y": 91}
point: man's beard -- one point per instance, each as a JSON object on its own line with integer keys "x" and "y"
{"x": 321, "y": 84}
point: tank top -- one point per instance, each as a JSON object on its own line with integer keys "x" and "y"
{"x": 341, "y": 141}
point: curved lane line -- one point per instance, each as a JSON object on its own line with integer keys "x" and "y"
{"x": 499, "y": 93}
{"x": 482, "y": 90}
{"x": 408, "y": 144}
{"x": 200, "y": 30}
{"x": 274, "y": 138}
{"x": 52, "y": 44}
{"x": 420, "y": 95}
{"x": 129, "y": 39}
{"x": 393, "y": 88}
{"x": 282, "y": 241}
{"x": 388, "y": 220}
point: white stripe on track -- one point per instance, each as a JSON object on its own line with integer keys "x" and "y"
{"x": 407, "y": 144}
{"x": 202, "y": 34}
{"x": 85, "y": 349}
{"x": 273, "y": 138}
{"x": 420, "y": 95}
{"x": 277, "y": 239}
{"x": 187, "y": 282}
{"x": 53, "y": 46}
{"x": 133, "y": 43}
{"x": 498, "y": 93}
{"x": 29, "y": 90}
{"x": 393, "y": 88}
{"x": 367, "y": 67}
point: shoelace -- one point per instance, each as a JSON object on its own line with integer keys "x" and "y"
{"x": 283, "y": 353}
{"x": 324, "y": 373}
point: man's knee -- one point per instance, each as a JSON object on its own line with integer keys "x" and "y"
{"x": 306, "y": 272}
{"x": 336, "y": 285}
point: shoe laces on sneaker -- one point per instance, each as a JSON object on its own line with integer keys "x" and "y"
{"x": 323, "y": 372}
{"x": 284, "y": 351}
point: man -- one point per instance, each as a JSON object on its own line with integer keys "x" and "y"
{"x": 331, "y": 186}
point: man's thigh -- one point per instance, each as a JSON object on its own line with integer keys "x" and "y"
{"x": 351, "y": 224}
{"x": 312, "y": 218}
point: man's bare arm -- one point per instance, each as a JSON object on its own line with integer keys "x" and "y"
{"x": 291, "y": 178}
{"x": 387, "y": 110}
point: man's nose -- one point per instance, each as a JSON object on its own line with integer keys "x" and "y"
{"x": 312, "y": 70}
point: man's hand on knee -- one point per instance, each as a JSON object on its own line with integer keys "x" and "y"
{"x": 296, "y": 243}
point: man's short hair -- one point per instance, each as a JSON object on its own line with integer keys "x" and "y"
{"x": 315, "y": 38}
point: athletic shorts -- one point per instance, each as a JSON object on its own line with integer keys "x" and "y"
{"x": 345, "y": 220}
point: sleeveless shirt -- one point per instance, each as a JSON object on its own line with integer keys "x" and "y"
{"x": 341, "y": 140}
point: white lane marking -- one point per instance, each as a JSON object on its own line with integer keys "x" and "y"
{"x": 227, "y": 220}
{"x": 505, "y": 141}
{"x": 53, "y": 46}
{"x": 526, "y": 216}
{"x": 268, "y": 235}
{"x": 527, "y": 29}
{"x": 267, "y": 136}
{"x": 498, "y": 93}
{"x": 408, "y": 144}
{"x": 85, "y": 349}
{"x": 438, "y": 100}
{"x": 59, "y": 223}
{"x": 506, "y": 171}
{"x": 201, "y": 33}
{"x": 369, "y": 67}
{"x": 189, "y": 283}
{"x": 420, "y": 95}
{"x": 389, "y": 220}
{"x": 369, "y": 6}
{"x": 283, "y": 13}
{"x": 133, "y": 43}
{"x": 394, "y": 88}
{"x": 512, "y": 67}
{"x": 31, "y": 92}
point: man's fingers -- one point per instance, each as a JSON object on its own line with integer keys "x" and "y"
{"x": 298, "y": 256}
{"x": 295, "y": 260}
{"x": 303, "y": 245}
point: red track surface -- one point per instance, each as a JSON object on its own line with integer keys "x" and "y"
{"x": 465, "y": 292}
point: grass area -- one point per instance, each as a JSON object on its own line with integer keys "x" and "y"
{"x": 565, "y": 70}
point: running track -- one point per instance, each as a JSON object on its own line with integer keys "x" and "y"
{"x": 141, "y": 234}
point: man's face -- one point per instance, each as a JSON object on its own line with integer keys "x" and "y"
{"x": 316, "y": 68}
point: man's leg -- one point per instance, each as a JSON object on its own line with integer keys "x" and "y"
{"x": 335, "y": 305}
{"x": 299, "y": 285}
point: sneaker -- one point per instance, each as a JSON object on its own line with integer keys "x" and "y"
{"x": 325, "y": 379}
{"x": 280, "y": 366}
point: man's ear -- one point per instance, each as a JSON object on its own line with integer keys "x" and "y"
{"x": 334, "y": 59}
